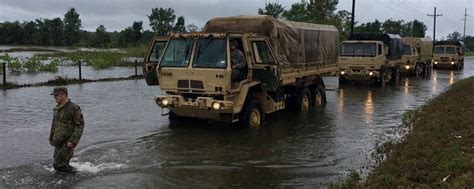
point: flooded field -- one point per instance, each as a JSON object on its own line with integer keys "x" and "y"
{"x": 127, "y": 143}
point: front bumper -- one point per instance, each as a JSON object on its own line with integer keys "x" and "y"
{"x": 359, "y": 75}
{"x": 201, "y": 107}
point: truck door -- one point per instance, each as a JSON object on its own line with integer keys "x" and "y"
{"x": 264, "y": 64}
{"x": 152, "y": 59}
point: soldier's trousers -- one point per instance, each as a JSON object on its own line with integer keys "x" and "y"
{"x": 62, "y": 156}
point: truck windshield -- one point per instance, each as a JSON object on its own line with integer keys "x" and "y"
{"x": 210, "y": 53}
{"x": 358, "y": 49}
{"x": 439, "y": 50}
{"x": 450, "y": 50}
{"x": 178, "y": 53}
{"x": 406, "y": 50}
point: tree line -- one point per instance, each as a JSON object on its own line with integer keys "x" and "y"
{"x": 67, "y": 31}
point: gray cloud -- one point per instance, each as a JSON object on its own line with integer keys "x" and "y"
{"x": 116, "y": 15}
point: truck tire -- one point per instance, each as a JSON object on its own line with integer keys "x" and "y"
{"x": 252, "y": 116}
{"x": 303, "y": 101}
{"x": 172, "y": 116}
{"x": 381, "y": 81}
{"x": 342, "y": 80}
{"x": 318, "y": 96}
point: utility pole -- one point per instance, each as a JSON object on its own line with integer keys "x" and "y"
{"x": 465, "y": 19}
{"x": 434, "y": 24}
{"x": 352, "y": 17}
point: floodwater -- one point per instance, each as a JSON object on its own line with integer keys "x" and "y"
{"x": 68, "y": 71}
{"x": 128, "y": 144}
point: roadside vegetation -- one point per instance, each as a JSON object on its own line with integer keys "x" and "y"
{"x": 65, "y": 81}
{"x": 470, "y": 53}
{"x": 30, "y": 65}
{"x": 438, "y": 152}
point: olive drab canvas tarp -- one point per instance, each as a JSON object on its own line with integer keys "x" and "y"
{"x": 295, "y": 43}
{"x": 393, "y": 41}
{"x": 424, "y": 46}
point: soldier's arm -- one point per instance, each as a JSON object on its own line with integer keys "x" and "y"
{"x": 78, "y": 120}
{"x": 51, "y": 131}
{"x": 241, "y": 60}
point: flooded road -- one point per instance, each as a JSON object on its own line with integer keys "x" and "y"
{"x": 128, "y": 144}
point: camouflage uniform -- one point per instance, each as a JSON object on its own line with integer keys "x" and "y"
{"x": 237, "y": 60}
{"x": 67, "y": 126}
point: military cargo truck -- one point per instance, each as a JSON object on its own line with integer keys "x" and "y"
{"x": 417, "y": 55}
{"x": 284, "y": 64}
{"x": 448, "y": 54}
{"x": 371, "y": 58}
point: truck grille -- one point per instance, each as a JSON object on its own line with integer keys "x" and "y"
{"x": 195, "y": 84}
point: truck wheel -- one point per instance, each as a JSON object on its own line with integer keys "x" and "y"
{"x": 342, "y": 80}
{"x": 382, "y": 80}
{"x": 417, "y": 70}
{"x": 252, "y": 115}
{"x": 173, "y": 116}
{"x": 303, "y": 102}
{"x": 318, "y": 97}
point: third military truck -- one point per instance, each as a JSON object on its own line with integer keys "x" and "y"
{"x": 449, "y": 54}
{"x": 417, "y": 55}
{"x": 283, "y": 67}
{"x": 370, "y": 58}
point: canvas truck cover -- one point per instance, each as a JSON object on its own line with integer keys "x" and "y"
{"x": 295, "y": 43}
{"x": 393, "y": 41}
{"x": 424, "y": 46}
{"x": 455, "y": 43}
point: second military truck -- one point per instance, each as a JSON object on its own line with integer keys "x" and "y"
{"x": 283, "y": 64}
{"x": 417, "y": 55}
{"x": 370, "y": 58}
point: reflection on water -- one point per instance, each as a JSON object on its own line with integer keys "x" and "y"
{"x": 369, "y": 108}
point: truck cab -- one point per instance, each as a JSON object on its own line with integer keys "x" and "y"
{"x": 196, "y": 72}
{"x": 361, "y": 60}
{"x": 448, "y": 54}
{"x": 370, "y": 58}
{"x": 409, "y": 59}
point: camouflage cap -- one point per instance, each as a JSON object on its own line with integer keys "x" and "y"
{"x": 59, "y": 90}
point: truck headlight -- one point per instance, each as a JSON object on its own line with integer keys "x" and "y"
{"x": 165, "y": 102}
{"x": 452, "y": 62}
{"x": 436, "y": 62}
{"x": 371, "y": 73}
{"x": 407, "y": 67}
{"x": 216, "y": 106}
{"x": 343, "y": 72}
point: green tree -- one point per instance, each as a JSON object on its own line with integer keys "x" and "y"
{"x": 272, "y": 9}
{"x": 136, "y": 34}
{"x": 102, "y": 38}
{"x": 125, "y": 37}
{"x": 42, "y": 35}
{"x": 418, "y": 29}
{"x": 72, "y": 27}
{"x": 192, "y": 27}
{"x": 55, "y": 31}
{"x": 162, "y": 20}
{"x": 321, "y": 11}
{"x": 297, "y": 12}
{"x": 12, "y": 33}
{"x": 455, "y": 36}
{"x": 393, "y": 26}
{"x": 180, "y": 25}
{"x": 29, "y": 32}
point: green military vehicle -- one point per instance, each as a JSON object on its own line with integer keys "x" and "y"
{"x": 417, "y": 55}
{"x": 284, "y": 64}
{"x": 449, "y": 54}
{"x": 370, "y": 58}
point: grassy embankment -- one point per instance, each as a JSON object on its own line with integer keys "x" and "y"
{"x": 470, "y": 53}
{"x": 439, "y": 150}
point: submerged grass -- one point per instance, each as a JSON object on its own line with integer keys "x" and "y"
{"x": 439, "y": 150}
{"x": 65, "y": 81}
{"x": 28, "y": 49}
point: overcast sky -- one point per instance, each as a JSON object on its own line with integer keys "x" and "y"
{"x": 118, "y": 14}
